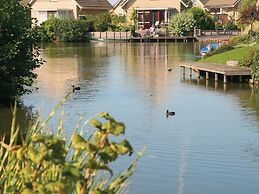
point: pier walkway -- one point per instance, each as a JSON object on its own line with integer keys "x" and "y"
{"x": 217, "y": 70}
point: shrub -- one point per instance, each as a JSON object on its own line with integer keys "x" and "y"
{"x": 252, "y": 37}
{"x": 202, "y": 19}
{"x": 65, "y": 30}
{"x": 119, "y": 24}
{"x": 238, "y": 39}
{"x": 48, "y": 162}
{"x": 220, "y": 49}
{"x": 251, "y": 60}
{"x": 181, "y": 24}
{"x": 230, "y": 25}
{"x": 102, "y": 22}
{"x": 90, "y": 19}
{"x": 74, "y": 31}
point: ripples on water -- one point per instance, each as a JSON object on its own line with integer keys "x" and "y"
{"x": 210, "y": 146}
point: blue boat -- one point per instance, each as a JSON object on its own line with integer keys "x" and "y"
{"x": 208, "y": 48}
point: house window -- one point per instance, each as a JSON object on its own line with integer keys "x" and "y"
{"x": 51, "y": 14}
{"x": 63, "y": 14}
{"x": 82, "y": 17}
{"x": 42, "y": 16}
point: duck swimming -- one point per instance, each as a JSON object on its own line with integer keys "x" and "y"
{"x": 169, "y": 113}
{"x": 75, "y": 88}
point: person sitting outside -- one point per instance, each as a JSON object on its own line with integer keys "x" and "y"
{"x": 152, "y": 30}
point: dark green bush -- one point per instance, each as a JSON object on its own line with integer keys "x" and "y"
{"x": 229, "y": 25}
{"x": 251, "y": 60}
{"x": 119, "y": 24}
{"x": 74, "y": 31}
{"x": 202, "y": 19}
{"x": 64, "y": 30}
{"x": 220, "y": 49}
{"x": 238, "y": 39}
{"x": 102, "y": 22}
{"x": 252, "y": 37}
{"x": 90, "y": 19}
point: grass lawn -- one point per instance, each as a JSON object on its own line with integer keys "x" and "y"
{"x": 235, "y": 54}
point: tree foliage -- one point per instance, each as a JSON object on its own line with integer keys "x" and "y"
{"x": 202, "y": 19}
{"x": 181, "y": 24}
{"x": 46, "y": 162}
{"x": 248, "y": 13}
{"x": 19, "y": 54}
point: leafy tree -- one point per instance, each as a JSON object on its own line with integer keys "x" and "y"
{"x": 202, "y": 19}
{"x": 248, "y": 13}
{"x": 181, "y": 24}
{"x": 19, "y": 54}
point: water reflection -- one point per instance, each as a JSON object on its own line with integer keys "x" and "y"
{"x": 205, "y": 147}
{"x": 247, "y": 94}
{"x": 24, "y": 116}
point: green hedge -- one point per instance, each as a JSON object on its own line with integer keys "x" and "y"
{"x": 63, "y": 30}
{"x": 73, "y": 30}
{"x": 251, "y": 60}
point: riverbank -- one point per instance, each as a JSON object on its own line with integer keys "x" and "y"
{"x": 232, "y": 55}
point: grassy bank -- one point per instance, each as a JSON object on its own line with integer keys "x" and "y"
{"x": 222, "y": 58}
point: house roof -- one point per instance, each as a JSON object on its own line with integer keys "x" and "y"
{"x": 124, "y": 2}
{"x": 103, "y": 4}
{"x": 203, "y": 1}
{"x": 221, "y": 3}
{"x": 25, "y": 2}
{"x": 82, "y": 4}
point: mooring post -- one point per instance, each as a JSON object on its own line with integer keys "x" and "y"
{"x": 183, "y": 69}
{"x": 225, "y": 79}
{"x": 207, "y": 75}
{"x": 240, "y": 78}
{"x": 198, "y": 74}
{"x": 216, "y": 77}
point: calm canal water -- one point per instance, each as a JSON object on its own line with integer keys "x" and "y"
{"x": 210, "y": 146}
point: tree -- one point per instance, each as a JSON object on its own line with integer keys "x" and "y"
{"x": 181, "y": 23}
{"x": 248, "y": 13}
{"x": 19, "y": 54}
{"x": 202, "y": 19}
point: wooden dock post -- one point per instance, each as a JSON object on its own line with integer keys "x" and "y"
{"x": 216, "y": 77}
{"x": 240, "y": 78}
{"x": 183, "y": 69}
{"x": 207, "y": 75}
{"x": 225, "y": 79}
{"x": 190, "y": 72}
{"x": 198, "y": 74}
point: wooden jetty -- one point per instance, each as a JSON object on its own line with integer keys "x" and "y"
{"x": 217, "y": 70}
{"x": 164, "y": 39}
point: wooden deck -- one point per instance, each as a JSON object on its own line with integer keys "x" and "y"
{"x": 164, "y": 39}
{"x": 217, "y": 69}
